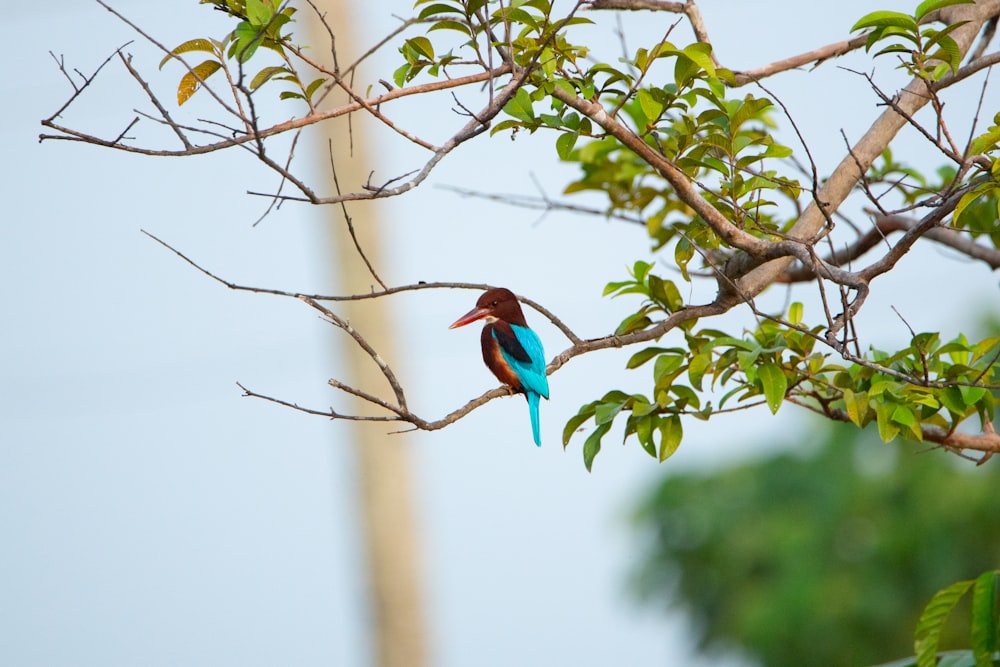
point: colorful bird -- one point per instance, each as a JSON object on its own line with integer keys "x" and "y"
{"x": 510, "y": 349}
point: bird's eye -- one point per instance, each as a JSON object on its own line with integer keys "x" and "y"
{"x": 494, "y": 303}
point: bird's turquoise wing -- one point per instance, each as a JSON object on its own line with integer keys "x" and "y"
{"x": 526, "y": 357}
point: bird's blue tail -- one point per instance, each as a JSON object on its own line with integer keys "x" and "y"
{"x": 533, "y": 408}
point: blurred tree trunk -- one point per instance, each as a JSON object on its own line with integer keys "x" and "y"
{"x": 384, "y": 483}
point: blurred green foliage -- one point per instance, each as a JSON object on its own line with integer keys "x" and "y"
{"x": 822, "y": 557}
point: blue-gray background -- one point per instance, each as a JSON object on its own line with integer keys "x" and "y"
{"x": 150, "y": 515}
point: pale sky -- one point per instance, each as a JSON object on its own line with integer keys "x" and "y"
{"x": 153, "y": 516}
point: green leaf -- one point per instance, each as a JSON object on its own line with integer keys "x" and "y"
{"x": 192, "y": 80}
{"x": 400, "y": 77}
{"x": 685, "y": 70}
{"x": 666, "y": 364}
{"x": 729, "y": 341}
{"x": 795, "y": 313}
{"x": 520, "y": 107}
{"x": 644, "y": 431}
{"x": 265, "y": 74}
{"x": 314, "y": 86}
{"x": 642, "y": 356}
{"x": 189, "y": 46}
{"x": 928, "y": 6}
{"x": 885, "y": 19}
{"x": 665, "y": 293}
{"x": 634, "y": 322}
{"x": 671, "y": 434}
{"x": 701, "y": 54}
{"x": 422, "y": 45}
{"x": 903, "y": 415}
{"x": 435, "y": 9}
{"x": 640, "y": 269}
{"x": 749, "y": 110}
{"x": 593, "y": 445}
{"x": 931, "y": 622}
{"x": 697, "y": 367}
{"x": 775, "y": 384}
{"x": 650, "y": 107}
{"x": 683, "y": 253}
{"x": 857, "y": 406}
{"x": 685, "y": 396}
{"x": 984, "y": 618}
{"x": 887, "y": 429}
{"x": 971, "y": 395}
{"x": 445, "y": 24}
{"x": 605, "y": 413}
{"x": 259, "y": 12}
{"x": 248, "y": 38}
{"x": 949, "y": 53}
{"x": 952, "y": 399}
{"x": 981, "y": 144}
{"x": 565, "y": 143}
{"x": 577, "y": 420}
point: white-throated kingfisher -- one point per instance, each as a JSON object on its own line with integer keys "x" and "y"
{"x": 510, "y": 349}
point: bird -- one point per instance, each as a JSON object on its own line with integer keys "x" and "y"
{"x": 510, "y": 349}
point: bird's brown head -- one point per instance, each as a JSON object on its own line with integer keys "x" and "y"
{"x": 498, "y": 303}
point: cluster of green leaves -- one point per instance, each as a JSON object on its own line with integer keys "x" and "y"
{"x": 676, "y": 100}
{"x": 762, "y": 367}
{"x": 826, "y": 554}
{"x": 261, "y": 23}
{"x": 717, "y": 141}
{"x": 984, "y": 631}
{"x": 935, "y": 384}
{"x": 979, "y": 208}
{"x": 926, "y": 383}
{"x": 928, "y": 52}
{"x": 532, "y": 35}
{"x": 690, "y": 120}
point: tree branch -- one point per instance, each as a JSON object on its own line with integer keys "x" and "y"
{"x": 753, "y": 277}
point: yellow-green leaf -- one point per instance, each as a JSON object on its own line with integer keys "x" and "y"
{"x": 671, "y": 433}
{"x": 857, "y": 406}
{"x": 193, "y": 79}
{"x": 795, "y": 313}
{"x": 984, "y": 618}
{"x": 932, "y": 622}
{"x": 259, "y": 12}
{"x": 887, "y": 429}
{"x": 314, "y": 86}
{"x": 775, "y": 384}
{"x": 701, "y": 54}
{"x": 928, "y": 6}
{"x": 565, "y": 143}
{"x": 650, "y": 107}
{"x": 885, "y": 19}
{"x": 593, "y": 445}
{"x": 189, "y": 46}
{"x": 520, "y": 106}
{"x": 423, "y": 46}
{"x": 265, "y": 75}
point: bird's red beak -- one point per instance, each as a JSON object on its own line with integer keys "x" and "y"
{"x": 470, "y": 317}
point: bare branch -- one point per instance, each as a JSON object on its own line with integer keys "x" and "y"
{"x": 371, "y": 295}
{"x": 78, "y": 90}
{"x": 886, "y": 225}
{"x": 754, "y": 277}
{"x": 279, "y": 128}
{"x": 331, "y": 413}
{"x": 816, "y": 57}
{"x": 350, "y": 221}
{"x": 639, "y": 5}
